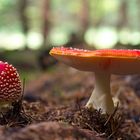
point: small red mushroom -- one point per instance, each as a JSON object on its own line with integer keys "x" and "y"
{"x": 103, "y": 63}
{"x": 10, "y": 85}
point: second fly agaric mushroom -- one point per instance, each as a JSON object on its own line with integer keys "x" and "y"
{"x": 10, "y": 86}
{"x": 103, "y": 63}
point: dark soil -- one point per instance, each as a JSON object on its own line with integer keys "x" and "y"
{"x": 53, "y": 109}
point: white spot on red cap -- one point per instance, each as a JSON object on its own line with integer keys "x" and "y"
{"x": 10, "y": 84}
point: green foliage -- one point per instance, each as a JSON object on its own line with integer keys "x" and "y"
{"x": 8, "y": 15}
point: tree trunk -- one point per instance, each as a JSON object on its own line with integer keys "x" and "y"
{"x": 123, "y": 17}
{"x": 84, "y": 16}
{"x": 46, "y": 21}
{"x": 23, "y": 19}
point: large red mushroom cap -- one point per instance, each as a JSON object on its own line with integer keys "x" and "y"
{"x": 10, "y": 84}
{"x": 107, "y": 60}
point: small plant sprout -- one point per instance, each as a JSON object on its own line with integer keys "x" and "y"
{"x": 10, "y": 86}
{"x": 103, "y": 63}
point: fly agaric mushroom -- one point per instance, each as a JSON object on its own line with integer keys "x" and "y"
{"x": 10, "y": 86}
{"x": 103, "y": 63}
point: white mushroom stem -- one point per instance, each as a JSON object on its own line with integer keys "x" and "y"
{"x": 5, "y": 106}
{"x": 101, "y": 97}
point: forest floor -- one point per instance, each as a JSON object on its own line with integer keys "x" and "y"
{"x": 53, "y": 109}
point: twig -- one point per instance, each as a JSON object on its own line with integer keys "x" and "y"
{"x": 111, "y": 116}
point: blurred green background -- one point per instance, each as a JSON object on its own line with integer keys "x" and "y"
{"x": 29, "y": 27}
{"x": 40, "y": 23}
